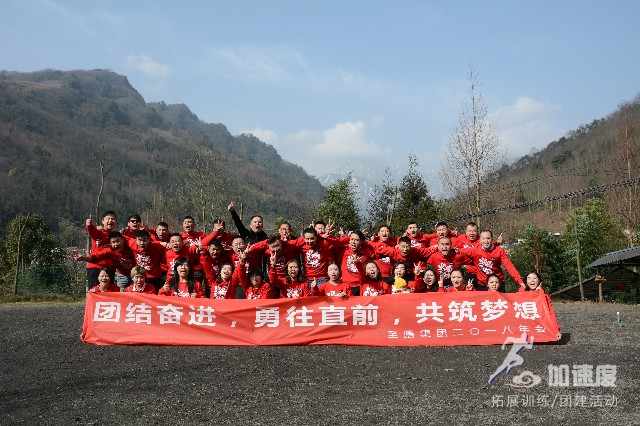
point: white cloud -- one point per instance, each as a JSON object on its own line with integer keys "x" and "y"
{"x": 525, "y": 125}
{"x": 265, "y": 135}
{"x": 148, "y": 66}
{"x": 324, "y": 151}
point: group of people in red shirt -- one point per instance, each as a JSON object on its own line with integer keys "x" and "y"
{"x": 254, "y": 265}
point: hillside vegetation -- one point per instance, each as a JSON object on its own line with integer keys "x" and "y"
{"x": 56, "y": 128}
{"x": 602, "y": 154}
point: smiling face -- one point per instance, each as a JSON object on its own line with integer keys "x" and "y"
{"x": 472, "y": 232}
{"x": 109, "y": 222}
{"x": 103, "y": 278}
{"x": 429, "y": 278}
{"x": 485, "y": 239}
{"x": 225, "y": 272}
{"x": 533, "y": 282}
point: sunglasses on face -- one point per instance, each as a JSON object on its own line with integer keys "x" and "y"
{"x": 134, "y": 221}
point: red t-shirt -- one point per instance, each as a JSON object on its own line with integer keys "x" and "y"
{"x": 289, "y": 289}
{"x": 110, "y": 288}
{"x": 183, "y": 290}
{"x": 190, "y": 253}
{"x": 317, "y": 258}
{"x": 443, "y": 266}
{"x": 152, "y": 259}
{"x": 146, "y": 289}
{"x": 328, "y": 289}
{"x": 490, "y": 262}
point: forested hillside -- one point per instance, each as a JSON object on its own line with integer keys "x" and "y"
{"x": 554, "y": 181}
{"x": 61, "y": 132}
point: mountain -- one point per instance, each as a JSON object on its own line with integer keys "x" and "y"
{"x": 159, "y": 160}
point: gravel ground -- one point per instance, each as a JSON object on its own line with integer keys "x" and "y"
{"x": 50, "y": 377}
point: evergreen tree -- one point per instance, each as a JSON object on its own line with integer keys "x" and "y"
{"x": 382, "y": 202}
{"x": 339, "y": 204}
{"x": 415, "y": 203}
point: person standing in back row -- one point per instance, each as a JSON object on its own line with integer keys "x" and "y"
{"x": 255, "y": 233}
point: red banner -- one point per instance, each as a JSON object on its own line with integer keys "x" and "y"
{"x": 426, "y": 319}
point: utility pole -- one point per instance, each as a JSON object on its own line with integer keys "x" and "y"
{"x": 575, "y": 228}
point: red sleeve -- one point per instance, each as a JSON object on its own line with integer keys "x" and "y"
{"x": 274, "y": 280}
{"x": 242, "y": 276}
{"x": 422, "y": 253}
{"x": 199, "y": 290}
{"x": 521, "y": 289}
{"x": 509, "y": 267}
{"x": 209, "y": 238}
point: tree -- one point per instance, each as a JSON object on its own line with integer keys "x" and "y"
{"x": 339, "y": 204}
{"x": 598, "y": 234}
{"x": 381, "y": 207}
{"x": 537, "y": 250}
{"x": 32, "y": 245}
{"x": 474, "y": 149}
{"x": 415, "y": 203}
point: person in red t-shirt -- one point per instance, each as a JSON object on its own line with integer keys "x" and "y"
{"x": 447, "y": 259}
{"x": 151, "y": 256}
{"x": 403, "y": 251}
{"x": 105, "y": 282}
{"x": 457, "y": 282}
{"x": 471, "y": 238}
{"x": 254, "y": 285}
{"x": 317, "y": 253}
{"x": 384, "y": 262}
{"x": 160, "y": 234}
{"x": 99, "y": 240}
{"x": 334, "y": 286}
{"x": 489, "y": 259}
{"x": 442, "y": 231}
{"x": 224, "y": 287}
{"x": 182, "y": 283}
{"x": 293, "y": 285}
{"x": 425, "y": 281}
{"x": 177, "y": 249}
{"x": 371, "y": 283}
{"x": 353, "y": 247}
{"x": 117, "y": 256}
{"x": 134, "y": 223}
{"x": 140, "y": 284}
{"x": 418, "y": 240}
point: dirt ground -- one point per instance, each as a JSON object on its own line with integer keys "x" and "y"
{"x": 49, "y": 376}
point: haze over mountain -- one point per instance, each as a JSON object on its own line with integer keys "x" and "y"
{"x": 160, "y": 160}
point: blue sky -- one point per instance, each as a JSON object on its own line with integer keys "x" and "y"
{"x": 331, "y": 82}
